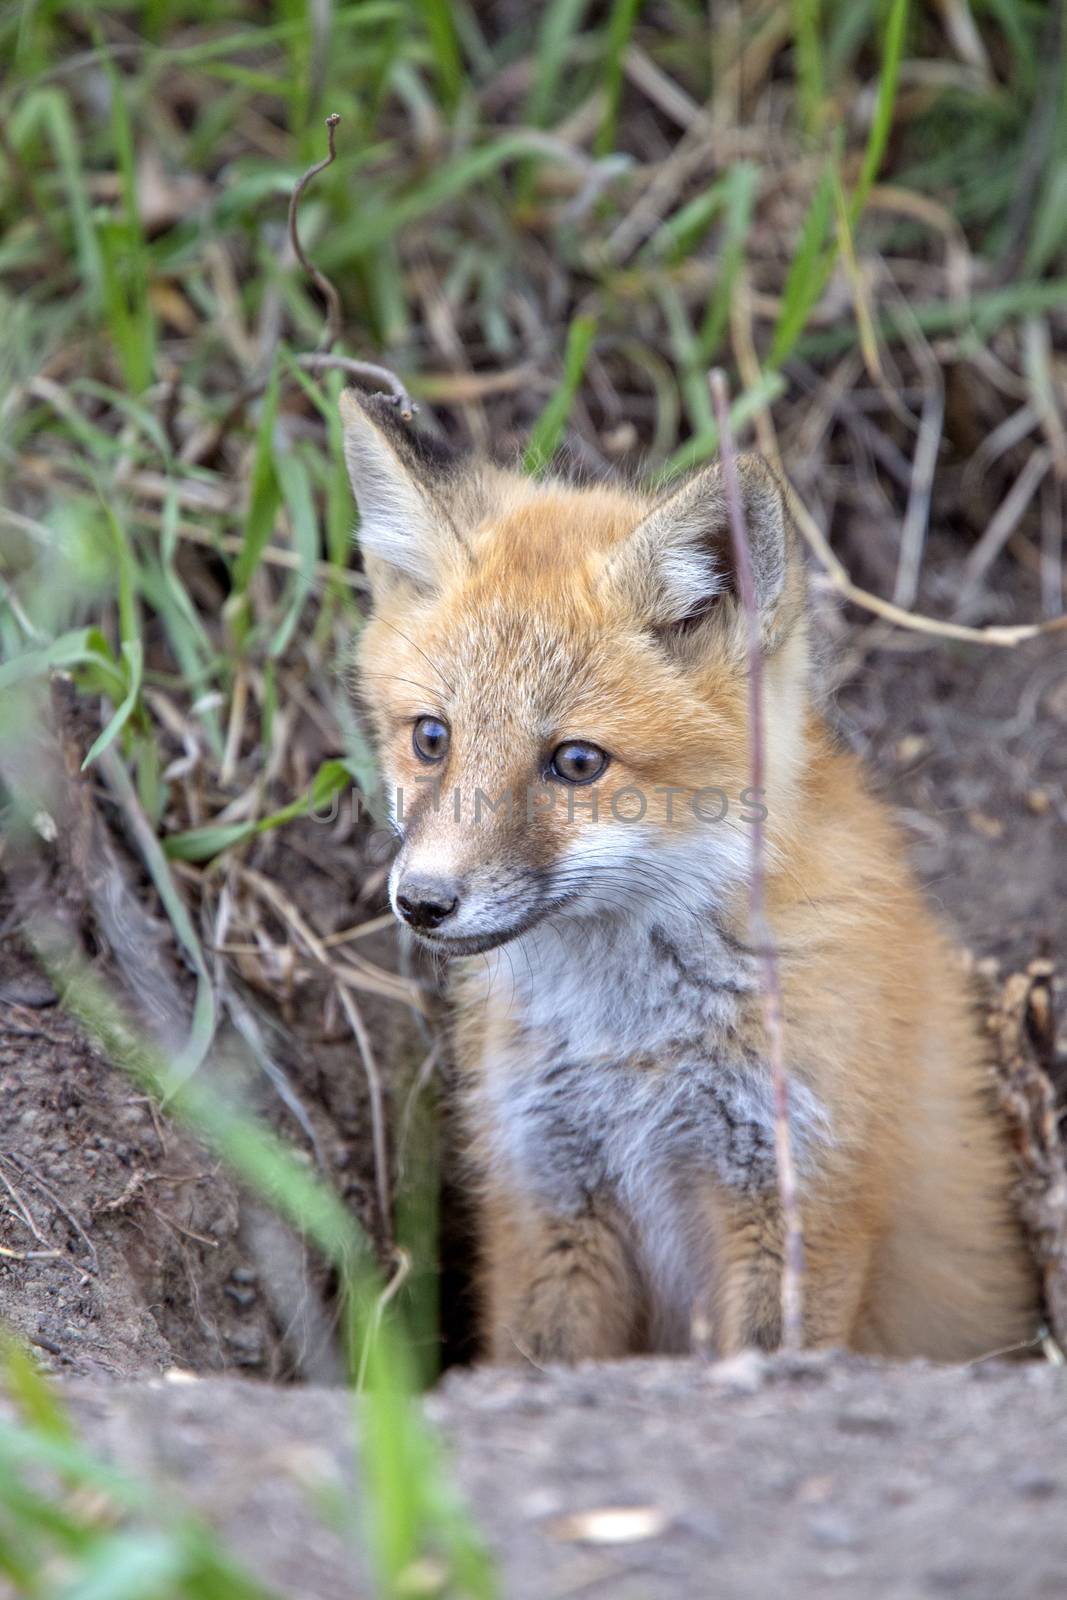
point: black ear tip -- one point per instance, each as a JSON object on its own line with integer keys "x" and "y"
{"x": 392, "y": 420}
{"x": 390, "y": 408}
{"x": 387, "y": 411}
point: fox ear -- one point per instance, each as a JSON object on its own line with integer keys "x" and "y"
{"x": 404, "y": 488}
{"x": 678, "y": 564}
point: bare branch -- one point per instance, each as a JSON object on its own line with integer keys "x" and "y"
{"x": 332, "y": 331}
{"x": 1003, "y": 635}
{"x": 762, "y": 938}
{"x": 368, "y": 372}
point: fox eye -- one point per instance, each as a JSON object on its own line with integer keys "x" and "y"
{"x": 430, "y": 738}
{"x": 578, "y": 762}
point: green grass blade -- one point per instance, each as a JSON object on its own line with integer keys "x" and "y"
{"x": 548, "y": 429}
{"x": 1049, "y": 237}
{"x": 620, "y": 26}
{"x": 159, "y": 1550}
{"x": 132, "y": 648}
{"x": 31, "y": 1393}
{"x": 561, "y": 20}
{"x": 675, "y": 239}
{"x": 444, "y": 45}
{"x": 64, "y": 140}
{"x": 265, "y": 496}
{"x": 809, "y": 64}
{"x": 339, "y": 520}
{"x": 133, "y": 656}
{"x": 704, "y": 445}
{"x": 379, "y": 218}
{"x": 131, "y": 1566}
{"x": 203, "y": 844}
{"x": 688, "y": 358}
{"x": 740, "y": 194}
{"x": 809, "y": 273}
{"x": 188, "y": 636}
{"x": 81, "y": 648}
{"x": 979, "y": 318}
{"x": 888, "y": 79}
{"x": 295, "y": 484}
{"x": 129, "y": 621}
{"x": 127, "y": 270}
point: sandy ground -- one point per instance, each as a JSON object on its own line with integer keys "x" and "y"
{"x": 797, "y": 1479}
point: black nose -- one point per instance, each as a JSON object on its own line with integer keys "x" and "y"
{"x": 425, "y": 902}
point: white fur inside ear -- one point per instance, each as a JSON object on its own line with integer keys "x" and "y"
{"x": 680, "y": 558}
{"x": 668, "y": 567}
{"x": 687, "y": 577}
{"x": 397, "y": 523}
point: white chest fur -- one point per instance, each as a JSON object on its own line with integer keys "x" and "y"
{"x": 614, "y": 1068}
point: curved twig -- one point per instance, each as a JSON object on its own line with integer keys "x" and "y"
{"x": 321, "y": 359}
{"x": 332, "y": 331}
{"x": 364, "y": 372}
{"x": 1004, "y": 635}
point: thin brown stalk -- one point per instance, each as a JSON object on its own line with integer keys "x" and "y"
{"x": 1003, "y": 523}
{"x": 376, "y": 1096}
{"x": 1052, "y": 518}
{"x": 1004, "y": 437}
{"x": 343, "y": 982}
{"x": 360, "y": 930}
{"x": 1006, "y": 636}
{"x": 364, "y": 975}
{"x": 397, "y": 1279}
{"x": 273, "y": 555}
{"x": 920, "y": 492}
{"x": 744, "y": 347}
{"x": 368, "y": 372}
{"x": 322, "y": 359}
{"x": 332, "y": 331}
{"x": 793, "y": 1255}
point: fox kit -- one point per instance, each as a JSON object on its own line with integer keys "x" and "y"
{"x": 558, "y": 679}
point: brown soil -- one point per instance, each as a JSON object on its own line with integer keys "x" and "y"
{"x": 969, "y": 745}
{"x": 146, "y": 1256}
{"x": 141, "y": 1227}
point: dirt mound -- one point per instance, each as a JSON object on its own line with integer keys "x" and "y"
{"x": 649, "y": 1480}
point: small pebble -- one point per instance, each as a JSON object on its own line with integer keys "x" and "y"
{"x": 831, "y": 1530}
{"x": 1035, "y": 1484}
{"x": 740, "y": 1374}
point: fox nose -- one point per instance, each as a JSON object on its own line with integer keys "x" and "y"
{"x": 425, "y": 902}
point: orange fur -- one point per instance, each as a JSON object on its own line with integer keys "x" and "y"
{"x": 527, "y": 627}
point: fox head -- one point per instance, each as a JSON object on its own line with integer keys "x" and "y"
{"x": 558, "y": 681}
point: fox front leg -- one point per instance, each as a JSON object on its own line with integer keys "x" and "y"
{"x": 746, "y": 1310}
{"x": 556, "y": 1288}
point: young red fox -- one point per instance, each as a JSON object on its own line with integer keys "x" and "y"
{"x": 557, "y": 678}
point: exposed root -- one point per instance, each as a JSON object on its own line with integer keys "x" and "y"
{"x": 1022, "y": 1024}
